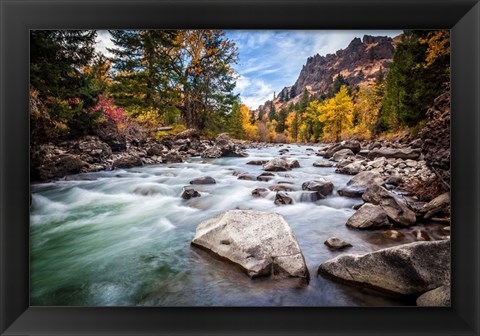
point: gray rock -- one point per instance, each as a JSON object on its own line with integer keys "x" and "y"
{"x": 336, "y": 243}
{"x": 203, "y": 180}
{"x": 320, "y": 185}
{"x": 369, "y": 216}
{"x": 310, "y": 196}
{"x": 277, "y": 164}
{"x": 173, "y": 157}
{"x": 439, "y": 204}
{"x": 283, "y": 198}
{"x": 260, "y": 192}
{"x": 257, "y": 162}
{"x": 59, "y": 166}
{"x": 189, "y": 192}
{"x": 352, "y": 145}
{"x": 265, "y": 176}
{"x": 438, "y": 297}
{"x": 127, "y": 161}
{"x": 342, "y": 155}
{"x": 282, "y": 187}
{"x": 246, "y": 177}
{"x": 393, "y": 234}
{"x": 224, "y": 146}
{"x": 394, "y": 180}
{"x": 350, "y": 169}
{"x": 410, "y": 269}
{"x": 400, "y": 153}
{"x": 261, "y": 243}
{"x": 359, "y": 184}
{"x": 322, "y": 164}
{"x": 395, "y": 209}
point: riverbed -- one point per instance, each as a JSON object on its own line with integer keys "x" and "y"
{"x": 122, "y": 237}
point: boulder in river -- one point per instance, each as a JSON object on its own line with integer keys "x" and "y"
{"x": 395, "y": 208}
{"x": 410, "y": 269}
{"x": 439, "y": 205}
{"x": 280, "y": 164}
{"x": 336, "y": 243}
{"x": 260, "y": 192}
{"x": 127, "y": 161}
{"x": 189, "y": 192}
{"x": 261, "y": 243}
{"x": 396, "y": 153}
{"x": 343, "y": 154}
{"x": 320, "y": 185}
{"x": 359, "y": 184}
{"x": 369, "y": 216}
{"x": 283, "y": 198}
{"x": 352, "y": 168}
{"x": 352, "y": 145}
{"x": 203, "y": 180}
{"x": 59, "y": 166}
{"x": 224, "y": 146}
{"x": 257, "y": 162}
{"x": 265, "y": 176}
{"x": 322, "y": 164}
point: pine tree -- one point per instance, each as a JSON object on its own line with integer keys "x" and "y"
{"x": 272, "y": 114}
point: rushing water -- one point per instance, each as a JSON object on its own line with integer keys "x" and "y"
{"x": 122, "y": 238}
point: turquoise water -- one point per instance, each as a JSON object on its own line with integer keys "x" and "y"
{"x": 122, "y": 238}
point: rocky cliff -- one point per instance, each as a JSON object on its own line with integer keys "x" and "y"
{"x": 360, "y": 63}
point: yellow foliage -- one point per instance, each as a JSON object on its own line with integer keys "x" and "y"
{"x": 367, "y": 108}
{"x": 438, "y": 43}
{"x": 337, "y": 114}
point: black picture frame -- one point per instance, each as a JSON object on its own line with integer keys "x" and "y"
{"x": 19, "y": 16}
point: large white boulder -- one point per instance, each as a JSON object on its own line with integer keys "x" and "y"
{"x": 261, "y": 243}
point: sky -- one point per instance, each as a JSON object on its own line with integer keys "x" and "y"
{"x": 269, "y": 60}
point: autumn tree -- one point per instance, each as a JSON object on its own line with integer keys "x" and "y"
{"x": 336, "y": 114}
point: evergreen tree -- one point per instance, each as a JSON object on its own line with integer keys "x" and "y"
{"x": 235, "y": 120}
{"x": 282, "y": 117}
{"x": 58, "y": 59}
{"x": 272, "y": 115}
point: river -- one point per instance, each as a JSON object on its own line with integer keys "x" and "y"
{"x": 122, "y": 238}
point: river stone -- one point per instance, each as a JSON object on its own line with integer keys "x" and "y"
{"x": 59, "y": 166}
{"x": 336, "y": 243}
{"x": 282, "y": 187}
{"x": 224, "y": 146}
{"x": 342, "y": 155}
{"x": 359, "y": 184}
{"x": 294, "y": 164}
{"x": 203, "y": 180}
{"x": 350, "y": 169}
{"x": 320, "y": 185}
{"x": 369, "y": 216}
{"x": 395, "y": 209}
{"x": 283, "y": 198}
{"x": 173, "y": 157}
{"x": 246, "y": 177}
{"x": 393, "y": 234}
{"x": 410, "y": 269}
{"x": 322, "y": 164}
{"x": 310, "y": 196}
{"x": 257, "y": 162}
{"x": 127, "y": 161}
{"x": 189, "y": 192}
{"x": 438, "y": 297}
{"x": 352, "y": 145}
{"x": 261, "y": 243}
{"x": 439, "y": 204}
{"x": 277, "y": 164}
{"x": 260, "y": 192}
{"x": 401, "y": 153}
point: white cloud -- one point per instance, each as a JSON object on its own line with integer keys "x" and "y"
{"x": 103, "y": 42}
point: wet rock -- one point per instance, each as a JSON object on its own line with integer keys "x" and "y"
{"x": 395, "y": 209}
{"x": 421, "y": 235}
{"x": 261, "y": 243}
{"x": 359, "y": 184}
{"x": 60, "y": 165}
{"x": 352, "y": 145}
{"x": 294, "y": 164}
{"x": 336, "y": 243}
{"x": 368, "y": 217}
{"x": 283, "y": 151}
{"x": 439, "y": 205}
{"x": 283, "y": 198}
{"x": 224, "y": 146}
{"x": 320, "y": 185}
{"x": 257, "y": 162}
{"x": 409, "y": 269}
{"x": 322, "y": 164}
{"x": 127, "y": 161}
{"x": 246, "y": 177}
{"x": 265, "y": 176}
{"x": 173, "y": 157}
{"x": 397, "y": 153}
{"x": 343, "y": 154}
{"x": 281, "y": 187}
{"x": 394, "y": 180}
{"x": 394, "y": 234}
{"x": 260, "y": 192}
{"x": 203, "y": 180}
{"x": 189, "y": 134}
{"x": 278, "y": 164}
{"x": 438, "y": 297}
{"x": 92, "y": 149}
{"x": 155, "y": 150}
{"x": 350, "y": 169}
{"x": 189, "y": 192}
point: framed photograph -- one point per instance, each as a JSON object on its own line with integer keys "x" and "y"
{"x": 239, "y": 168}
